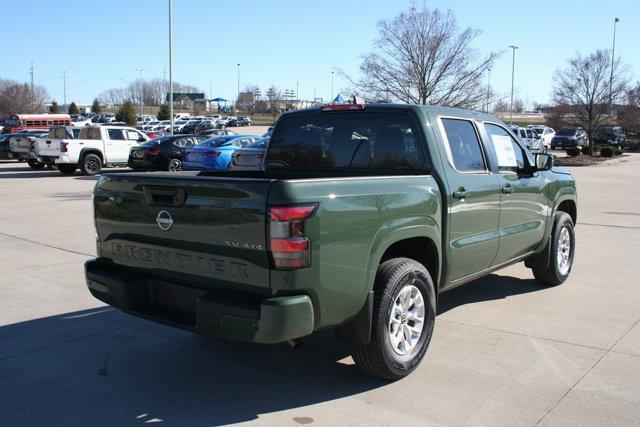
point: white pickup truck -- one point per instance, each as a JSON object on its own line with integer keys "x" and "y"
{"x": 46, "y": 149}
{"x": 97, "y": 147}
{"x": 21, "y": 144}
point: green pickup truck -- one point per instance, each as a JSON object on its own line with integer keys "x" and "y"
{"x": 361, "y": 217}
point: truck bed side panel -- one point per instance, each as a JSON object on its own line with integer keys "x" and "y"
{"x": 356, "y": 220}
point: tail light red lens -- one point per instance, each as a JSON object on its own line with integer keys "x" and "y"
{"x": 63, "y": 146}
{"x": 154, "y": 151}
{"x": 212, "y": 153}
{"x": 289, "y": 247}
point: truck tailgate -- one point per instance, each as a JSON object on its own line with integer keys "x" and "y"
{"x": 205, "y": 230}
{"x": 47, "y": 146}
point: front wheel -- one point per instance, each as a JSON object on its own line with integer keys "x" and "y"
{"x": 403, "y": 320}
{"x": 35, "y": 165}
{"x": 563, "y": 243}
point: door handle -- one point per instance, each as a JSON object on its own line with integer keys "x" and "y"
{"x": 461, "y": 193}
{"x": 507, "y": 189}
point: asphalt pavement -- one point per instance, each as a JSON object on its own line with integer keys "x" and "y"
{"x": 505, "y": 351}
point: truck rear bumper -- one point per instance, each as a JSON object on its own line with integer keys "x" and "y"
{"x": 215, "y": 314}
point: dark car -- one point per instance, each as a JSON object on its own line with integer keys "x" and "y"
{"x": 240, "y": 121}
{"x": 251, "y": 156}
{"x": 164, "y": 153}
{"x": 609, "y": 135}
{"x": 5, "y": 153}
{"x": 569, "y": 137}
{"x": 191, "y": 127}
{"x": 210, "y": 132}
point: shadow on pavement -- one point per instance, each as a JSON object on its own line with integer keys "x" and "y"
{"x": 101, "y": 366}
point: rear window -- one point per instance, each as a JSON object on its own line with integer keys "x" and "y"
{"x": 346, "y": 140}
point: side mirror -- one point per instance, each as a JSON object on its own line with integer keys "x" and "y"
{"x": 544, "y": 162}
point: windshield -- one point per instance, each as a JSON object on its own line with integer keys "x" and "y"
{"x": 346, "y": 140}
{"x": 566, "y": 132}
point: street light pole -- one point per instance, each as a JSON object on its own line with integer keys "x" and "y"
{"x": 170, "y": 68}
{"x": 332, "y": 86}
{"x": 140, "y": 70}
{"x": 613, "y": 55}
{"x": 488, "y": 89}
{"x": 513, "y": 68}
{"x": 238, "y": 96}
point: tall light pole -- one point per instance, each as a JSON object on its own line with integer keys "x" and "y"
{"x": 332, "y": 86}
{"x": 170, "y": 68}
{"x": 238, "y": 95}
{"x": 64, "y": 84}
{"x": 488, "y": 89}
{"x": 513, "y": 69}
{"x": 314, "y": 93}
{"x": 140, "y": 70}
{"x": 613, "y": 55}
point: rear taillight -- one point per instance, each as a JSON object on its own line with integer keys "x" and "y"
{"x": 31, "y": 145}
{"x": 212, "y": 153}
{"x": 289, "y": 247}
{"x": 63, "y": 146}
{"x": 153, "y": 152}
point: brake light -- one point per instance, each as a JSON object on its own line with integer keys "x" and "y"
{"x": 289, "y": 247}
{"x": 342, "y": 107}
{"x": 63, "y": 146}
{"x": 211, "y": 153}
{"x": 154, "y": 151}
{"x": 31, "y": 145}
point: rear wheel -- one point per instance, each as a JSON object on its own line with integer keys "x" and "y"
{"x": 67, "y": 169}
{"x": 91, "y": 164}
{"x": 403, "y": 320}
{"x": 563, "y": 243}
{"x": 35, "y": 165}
{"x": 175, "y": 165}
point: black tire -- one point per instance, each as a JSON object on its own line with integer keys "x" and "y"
{"x": 379, "y": 357}
{"x": 91, "y": 165}
{"x": 174, "y": 165}
{"x": 35, "y": 165}
{"x": 67, "y": 169}
{"x": 552, "y": 275}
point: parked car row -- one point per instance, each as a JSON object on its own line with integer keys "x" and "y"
{"x": 92, "y": 148}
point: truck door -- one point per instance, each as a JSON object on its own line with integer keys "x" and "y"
{"x": 116, "y": 146}
{"x": 473, "y": 200}
{"x": 523, "y": 196}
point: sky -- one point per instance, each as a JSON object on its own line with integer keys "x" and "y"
{"x": 287, "y": 43}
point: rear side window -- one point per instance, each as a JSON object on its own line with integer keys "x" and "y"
{"x": 464, "y": 145}
{"x": 346, "y": 140}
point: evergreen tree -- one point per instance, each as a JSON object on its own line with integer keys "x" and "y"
{"x": 73, "y": 108}
{"x": 127, "y": 113}
{"x": 96, "y": 108}
{"x": 53, "y": 108}
{"x": 163, "y": 112}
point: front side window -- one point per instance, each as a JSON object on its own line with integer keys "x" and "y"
{"x": 354, "y": 140}
{"x": 464, "y": 145}
{"x": 510, "y": 155}
{"x": 115, "y": 135}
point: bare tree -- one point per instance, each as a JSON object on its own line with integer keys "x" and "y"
{"x": 421, "y": 56}
{"x": 584, "y": 86}
{"x": 554, "y": 117}
{"x": 629, "y": 115}
{"x": 18, "y": 98}
{"x": 153, "y": 92}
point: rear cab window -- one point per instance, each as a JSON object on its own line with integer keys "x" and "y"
{"x": 463, "y": 146}
{"x": 353, "y": 140}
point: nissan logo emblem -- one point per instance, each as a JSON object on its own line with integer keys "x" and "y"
{"x": 164, "y": 220}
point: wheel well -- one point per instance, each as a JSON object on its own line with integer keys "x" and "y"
{"x": 96, "y": 152}
{"x": 421, "y": 249}
{"x": 569, "y": 206}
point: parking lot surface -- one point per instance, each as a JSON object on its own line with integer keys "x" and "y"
{"x": 505, "y": 351}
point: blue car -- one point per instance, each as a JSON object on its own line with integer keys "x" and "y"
{"x": 215, "y": 153}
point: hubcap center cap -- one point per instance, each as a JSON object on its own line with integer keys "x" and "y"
{"x": 403, "y": 318}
